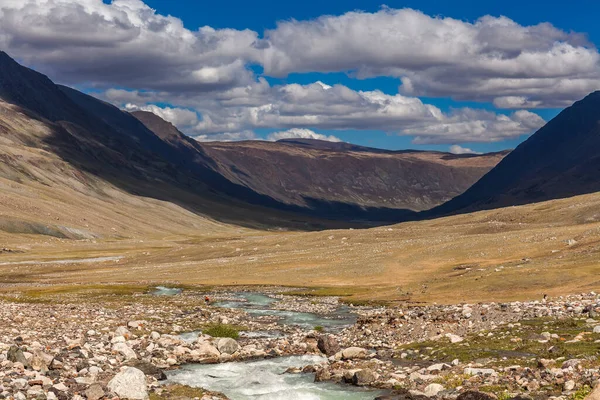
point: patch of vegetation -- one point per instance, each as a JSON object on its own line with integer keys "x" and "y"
{"x": 520, "y": 345}
{"x": 581, "y": 393}
{"x": 178, "y": 391}
{"x": 223, "y": 330}
{"x": 318, "y": 328}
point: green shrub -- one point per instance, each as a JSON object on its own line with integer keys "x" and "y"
{"x": 222, "y": 331}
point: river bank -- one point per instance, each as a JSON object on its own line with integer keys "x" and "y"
{"x": 79, "y": 345}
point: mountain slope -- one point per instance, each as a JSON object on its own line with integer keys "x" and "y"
{"x": 560, "y": 160}
{"x": 313, "y": 173}
{"x": 72, "y": 134}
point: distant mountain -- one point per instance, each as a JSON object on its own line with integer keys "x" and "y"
{"x": 560, "y": 160}
{"x": 314, "y": 173}
{"x": 70, "y": 142}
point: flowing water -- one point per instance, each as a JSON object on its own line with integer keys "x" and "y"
{"x": 265, "y": 380}
{"x": 259, "y": 304}
{"x": 166, "y": 291}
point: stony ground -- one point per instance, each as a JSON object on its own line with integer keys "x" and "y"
{"x": 111, "y": 344}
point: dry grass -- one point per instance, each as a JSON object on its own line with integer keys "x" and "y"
{"x": 513, "y": 253}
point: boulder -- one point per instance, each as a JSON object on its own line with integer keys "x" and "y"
{"x": 433, "y": 389}
{"x": 227, "y": 345}
{"x": 207, "y": 350}
{"x": 148, "y": 369}
{"x": 328, "y": 345}
{"x": 15, "y": 354}
{"x": 125, "y": 350}
{"x": 94, "y": 392}
{"x": 129, "y": 384}
{"x": 364, "y": 377}
{"x": 474, "y": 395}
{"x": 354, "y": 352}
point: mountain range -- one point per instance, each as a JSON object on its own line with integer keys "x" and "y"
{"x": 57, "y": 138}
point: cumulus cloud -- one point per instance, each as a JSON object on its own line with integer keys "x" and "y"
{"x": 155, "y": 59}
{"x": 124, "y": 43}
{"x": 179, "y": 117}
{"x": 337, "y": 107}
{"x": 493, "y": 57}
{"x": 298, "y": 133}
{"x": 456, "y": 149}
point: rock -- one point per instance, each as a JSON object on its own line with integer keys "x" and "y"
{"x": 125, "y": 350}
{"x": 363, "y": 377}
{"x": 208, "y": 350}
{"x": 227, "y": 345}
{"x": 569, "y": 385}
{"x": 15, "y": 354}
{"x": 94, "y": 392}
{"x": 129, "y": 384}
{"x": 148, "y": 369}
{"x": 595, "y": 395}
{"x": 454, "y": 338}
{"x": 474, "y": 395}
{"x": 353, "y": 352}
{"x": 328, "y": 345}
{"x": 322, "y": 375}
{"x": 433, "y": 389}
{"x": 480, "y": 371}
{"x": 597, "y": 329}
{"x": 572, "y": 363}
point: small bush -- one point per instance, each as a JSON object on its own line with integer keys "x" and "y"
{"x": 222, "y": 331}
{"x": 318, "y": 328}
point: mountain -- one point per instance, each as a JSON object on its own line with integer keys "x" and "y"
{"x": 57, "y": 139}
{"x": 560, "y": 160}
{"x": 314, "y": 173}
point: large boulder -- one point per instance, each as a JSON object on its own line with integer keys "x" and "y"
{"x": 364, "y": 377}
{"x": 328, "y": 345}
{"x": 227, "y": 345}
{"x": 129, "y": 384}
{"x": 148, "y": 369}
{"x": 354, "y": 352}
{"x": 205, "y": 349}
{"x": 433, "y": 389}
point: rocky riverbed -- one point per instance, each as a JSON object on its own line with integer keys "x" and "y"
{"x": 118, "y": 345}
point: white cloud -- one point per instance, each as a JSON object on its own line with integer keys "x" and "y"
{"x": 299, "y": 133}
{"x": 226, "y": 137}
{"x": 124, "y": 43}
{"x": 128, "y": 44}
{"x": 494, "y": 57}
{"x": 320, "y": 106}
{"x": 179, "y": 117}
{"x": 456, "y": 149}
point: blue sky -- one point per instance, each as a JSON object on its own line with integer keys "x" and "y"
{"x": 267, "y": 69}
{"x": 263, "y": 15}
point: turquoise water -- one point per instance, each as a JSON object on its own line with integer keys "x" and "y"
{"x": 259, "y": 305}
{"x": 166, "y": 291}
{"x": 265, "y": 380}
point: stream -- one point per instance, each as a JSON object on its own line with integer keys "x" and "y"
{"x": 260, "y": 304}
{"x": 266, "y": 380}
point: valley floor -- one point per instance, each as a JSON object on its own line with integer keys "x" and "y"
{"x": 507, "y": 254}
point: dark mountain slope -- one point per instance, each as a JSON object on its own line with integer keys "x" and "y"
{"x": 315, "y": 173}
{"x": 560, "y": 160}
